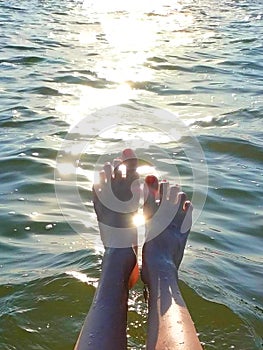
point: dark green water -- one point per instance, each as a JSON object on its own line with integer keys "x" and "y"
{"x": 62, "y": 62}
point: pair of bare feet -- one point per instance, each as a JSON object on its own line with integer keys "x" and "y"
{"x": 168, "y": 217}
{"x": 167, "y": 212}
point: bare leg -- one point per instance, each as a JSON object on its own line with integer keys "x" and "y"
{"x": 106, "y": 322}
{"x": 105, "y": 325}
{"x": 170, "y": 325}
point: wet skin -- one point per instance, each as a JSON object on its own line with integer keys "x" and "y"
{"x": 169, "y": 322}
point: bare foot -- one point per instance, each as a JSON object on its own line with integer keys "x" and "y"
{"x": 169, "y": 219}
{"x": 116, "y": 200}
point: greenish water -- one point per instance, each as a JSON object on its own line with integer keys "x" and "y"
{"x": 62, "y": 62}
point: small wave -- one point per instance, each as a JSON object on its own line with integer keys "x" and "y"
{"x": 82, "y": 80}
{"x": 20, "y": 47}
{"x": 83, "y": 277}
{"x": 31, "y": 165}
{"x": 246, "y": 65}
{"x": 157, "y": 59}
{"x": 213, "y": 122}
{"x": 167, "y": 66}
{"x": 240, "y": 148}
{"x": 243, "y": 40}
{"x": 43, "y": 90}
{"x": 193, "y": 104}
{"x": 11, "y": 122}
{"x": 13, "y": 8}
{"x": 28, "y": 60}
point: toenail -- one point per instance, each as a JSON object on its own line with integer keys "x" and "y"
{"x": 150, "y": 179}
{"x": 128, "y": 153}
{"x": 152, "y": 183}
{"x": 186, "y": 205}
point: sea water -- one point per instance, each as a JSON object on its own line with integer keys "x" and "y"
{"x": 181, "y": 82}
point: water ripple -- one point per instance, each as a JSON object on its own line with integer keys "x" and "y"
{"x": 60, "y": 62}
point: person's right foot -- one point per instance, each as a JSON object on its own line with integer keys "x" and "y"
{"x": 171, "y": 212}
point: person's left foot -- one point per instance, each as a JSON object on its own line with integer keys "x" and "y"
{"x": 116, "y": 196}
{"x": 116, "y": 200}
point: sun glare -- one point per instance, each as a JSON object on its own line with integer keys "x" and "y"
{"x": 129, "y": 33}
{"x": 123, "y": 37}
{"x": 120, "y": 5}
{"x": 138, "y": 220}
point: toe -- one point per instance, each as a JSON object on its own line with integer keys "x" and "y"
{"x": 186, "y": 205}
{"x": 131, "y": 162}
{"x": 164, "y": 185}
{"x": 187, "y": 222}
{"x": 151, "y": 186}
{"x": 152, "y": 183}
{"x": 102, "y": 177}
{"x": 174, "y": 190}
{"x": 181, "y": 199}
{"x": 116, "y": 169}
{"x": 108, "y": 172}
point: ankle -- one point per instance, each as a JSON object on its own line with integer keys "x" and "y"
{"x": 158, "y": 268}
{"x": 119, "y": 261}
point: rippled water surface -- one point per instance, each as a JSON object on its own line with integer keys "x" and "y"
{"x": 186, "y": 82}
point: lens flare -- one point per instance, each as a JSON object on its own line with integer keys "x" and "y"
{"x": 138, "y": 219}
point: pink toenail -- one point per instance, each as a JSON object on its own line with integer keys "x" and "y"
{"x": 186, "y": 205}
{"x": 151, "y": 179}
{"x": 128, "y": 153}
{"x": 152, "y": 183}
